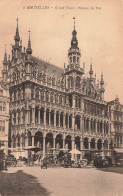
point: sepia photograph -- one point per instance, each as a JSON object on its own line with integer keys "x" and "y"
{"x": 61, "y": 98}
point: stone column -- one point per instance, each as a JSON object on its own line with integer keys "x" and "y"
{"x": 89, "y": 145}
{"x": 26, "y": 119}
{"x": 43, "y": 146}
{"x": 63, "y": 142}
{"x": 89, "y": 124}
{"x": 68, "y": 121}
{"x": 81, "y": 124}
{"x": 73, "y": 122}
{"x": 45, "y": 117}
{"x": 29, "y": 116}
{"x": 73, "y": 104}
{"x": 59, "y": 119}
{"x": 32, "y": 140}
{"x": 73, "y": 146}
{"x": 54, "y": 118}
{"x": 64, "y": 120}
{"x": 33, "y": 115}
{"x": 54, "y": 144}
{"x": 96, "y": 126}
{"x": 95, "y": 145}
{"x": 81, "y": 148}
{"x": 73, "y": 143}
{"x": 39, "y": 116}
{"x": 16, "y": 118}
{"x": 103, "y": 128}
{"x": 49, "y": 118}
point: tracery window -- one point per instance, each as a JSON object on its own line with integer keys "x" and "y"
{"x": 47, "y": 96}
{"x": 51, "y": 98}
{"x": 78, "y": 82}
{"x": 42, "y": 95}
{"x": 70, "y": 82}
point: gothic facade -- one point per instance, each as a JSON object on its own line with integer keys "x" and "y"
{"x": 4, "y": 119}
{"x": 52, "y": 107}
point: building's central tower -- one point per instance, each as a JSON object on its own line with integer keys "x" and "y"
{"x": 74, "y": 53}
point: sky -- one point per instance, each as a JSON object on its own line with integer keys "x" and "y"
{"x": 99, "y": 26}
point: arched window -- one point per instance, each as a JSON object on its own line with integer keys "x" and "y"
{"x": 37, "y": 93}
{"x": 70, "y": 82}
{"x": 47, "y": 96}
{"x": 78, "y": 82}
{"x": 51, "y": 98}
{"x": 42, "y": 95}
{"x": 74, "y": 59}
{"x": 60, "y": 99}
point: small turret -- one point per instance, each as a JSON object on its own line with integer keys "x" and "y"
{"x": 28, "y": 61}
{"x": 102, "y": 90}
{"x": 29, "y": 50}
{"x": 5, "y": 64}
{"x": 91, "y": 72}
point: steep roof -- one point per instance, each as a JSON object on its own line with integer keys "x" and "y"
{"x": 51, "y": 70}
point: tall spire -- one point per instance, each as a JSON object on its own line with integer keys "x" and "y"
{"x": 91, "y": 71}
{"x": 29, "y": 42}
{"x": 102, "y": 81}
{"x": 74, "y": 41}
{"x": 102, "y": 90}
{"x": 29, "y": 50}
{"x": 5, "y": 55}
{"x": 17, "y": 37}
{"x": 17, "y": 30}
{"x": 74, "y": 53}
{"x": 74, "y": 21}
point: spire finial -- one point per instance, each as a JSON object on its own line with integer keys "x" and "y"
{"x": 29, "y": 41}
{"x": 74, "y": 21}
{"x": 17, "y": 22}
{"x": 29, "y": 50}
{"x": 17, "y": 38}
{"x": 29, "y": 34}
{"x": 102, "y": 81}
{"x": 91, "y": 71}
{"x": 5, "y": 55}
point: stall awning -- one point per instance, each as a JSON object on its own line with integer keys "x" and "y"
{"x": 118, "y": 150}
{"x": 33, "y": 148}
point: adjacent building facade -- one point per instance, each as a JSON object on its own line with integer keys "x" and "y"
{"x": 116, "y": 116}
{"x": 4, "y": 119}
{"x": 55, "y": 108}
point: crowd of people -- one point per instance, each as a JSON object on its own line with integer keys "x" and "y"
{"x": 62, "y": 159}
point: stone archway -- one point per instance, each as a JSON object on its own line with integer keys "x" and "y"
{"x": 49, "y": 141}
{"x": 38, "y": 139}
{"x": 77, "y": 142}
{"x": 92, "y": 143}
{"x": 99, "y": 144}
{"x": 68, "y": 142}
{"x": 59, "y": 141}
{"x": 77, "y": 122}
{"x": 105, "y": 145}
{"x": 86, "y": 144}
{"x": 29, "y": 138}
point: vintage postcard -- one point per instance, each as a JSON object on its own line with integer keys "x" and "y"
{"x": 61, "y": 98}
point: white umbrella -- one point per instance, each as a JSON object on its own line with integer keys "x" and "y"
{"x": 75, "y": 151}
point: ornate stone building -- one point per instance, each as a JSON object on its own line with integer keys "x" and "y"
{"x": 116, "y": 116}
{"x": 52, "y": 107}
{"x": 4, "y": 117}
